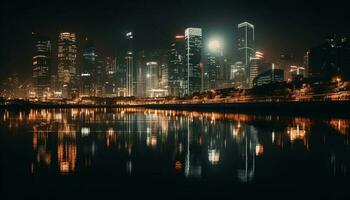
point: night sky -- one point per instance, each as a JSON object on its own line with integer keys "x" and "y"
{"x": 292, "y": 26}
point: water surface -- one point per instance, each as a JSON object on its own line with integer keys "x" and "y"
{"x": 100, "y": 153}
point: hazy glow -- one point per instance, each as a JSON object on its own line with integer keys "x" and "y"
{"x": 214, "y": 44}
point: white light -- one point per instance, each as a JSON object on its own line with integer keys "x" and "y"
{"x": 214, "y": 44}
{"x": 151, "y": 63}
{"x": 193, "y": 32}
{"x": 85, "y": 131}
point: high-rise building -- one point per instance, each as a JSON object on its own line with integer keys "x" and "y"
{"x": 120, "y": 74}
{"x": 41, "y": 66}
{"x": 67, "y": 69}
{"x": 142, "y": 60}
{"x": 306, "y": 63}
{"x": 215, "y": 65}
{"x": 270, "y": 76}
{"x": 331, "y": 60}
{"x": 286, "y": 60}
{"x": 152, "y": 78}
{"x": 177, "y": 67}
{"x": 238, "y": 75}
{"x": 88, "y": 70}
{"x": 245, "y": 45}
{"x": 110, "y": 82}
{"x": 164, "y": 77}
{"x": 129, "y": 64}
{"x": 254, "y": 64}
{"x": 246, "y": 42}
{"x": 193, "y": 38}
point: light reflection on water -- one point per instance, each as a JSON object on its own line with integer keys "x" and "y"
{"x": 162, "y": 142}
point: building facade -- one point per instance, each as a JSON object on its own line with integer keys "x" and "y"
{"x": 88, "y": 74}
{"x": 270, "y": 76}
{"x": 330, "y": 60}
{"x": 177, "y": 67}
{"x": 193, "y": 47}
{"x": 254, "y": 65}
{"x": 245, "y": 46}
{"x": 41, "y": 66}
{"x": 129, "y": 65}
{"x": 67, "y": 65}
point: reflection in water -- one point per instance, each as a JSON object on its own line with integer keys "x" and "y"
{"x": 193, "y": 144}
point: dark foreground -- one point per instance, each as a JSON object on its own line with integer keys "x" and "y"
{"x": 105, "y": 153}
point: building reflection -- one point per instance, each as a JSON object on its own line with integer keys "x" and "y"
{"x": 66, "y": 148}
{"x": 192, "y": 144}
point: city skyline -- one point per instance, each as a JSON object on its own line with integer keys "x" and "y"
{"x": 156, "y": 29}
{"x": 175, "y": 99}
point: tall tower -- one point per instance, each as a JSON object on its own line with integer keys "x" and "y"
{"x": 67, "y": 60}
{"x": 246, "y": 42}
{"x": 255, "y": 63}
{"x": 193, "y": 47}
{"x": 41, "y": 66}
{"x": 152, "y": 77}
{"x": 88, "y": 71}
{"x": 129, "y": 63}
{"x": 246, "y": 45}
{"x": 176, "y": 70}
{"x": 215, "y": 64}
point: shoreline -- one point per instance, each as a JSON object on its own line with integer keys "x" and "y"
{"x": 312, "y": 107}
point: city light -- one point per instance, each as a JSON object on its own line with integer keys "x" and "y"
{"x": 215, "y": 44}
{"x": 183, "y": 100}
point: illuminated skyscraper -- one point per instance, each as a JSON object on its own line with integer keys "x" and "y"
{"x": 142, "y": 60}
{"x": 129, "y": 64}
{"x": 67, "y": 69}
{"x": 193, "y": 38}
{"x": 88, "y": 70}
{"x": 152, "y": 78}
{"x": 110, "y": 82}
{"x": 176, "y": 70}
{"x": 41, "y": 66}
{"x": 246, "y": 45}
{"x": 254, "y": 64}
{"x": 246, "y": 42}
{"x": 215, "y": 64}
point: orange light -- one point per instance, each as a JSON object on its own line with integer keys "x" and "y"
{"x": 179, "y": 37}
{"x": 178, "y": 165}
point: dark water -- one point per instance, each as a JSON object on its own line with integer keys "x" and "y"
{"x": 154, "y": 154}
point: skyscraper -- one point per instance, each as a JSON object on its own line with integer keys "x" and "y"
{"x": 142, "y": 60}
{"x": 193, "y": 38}
{"x": 246, "y": 42}
{"x": 152, "y": 78}
{"x": 329, "y": 60}
{"x": 41, "y": 66}
{"x": 67, "y": 69}
{"x": 129, "y": 64}
{"x": 245, "y": 45}
{"x": 254, "y": 64}
{"x": 88, "y": 70}
{"x": 176, "y": 70}
{"x": 110, "y": 69}
{"x": 215, "y": 64}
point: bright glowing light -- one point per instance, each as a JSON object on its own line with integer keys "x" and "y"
{"x": 85, "y": 131}
{"x": 259, "y": 55}
{"x": 214, "y": 44}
